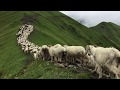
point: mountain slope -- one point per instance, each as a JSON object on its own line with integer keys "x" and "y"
{"x": 50, "y": 27}
{"x": 110, "y": 31}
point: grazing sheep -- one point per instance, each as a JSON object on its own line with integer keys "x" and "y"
{"x": 97, "y": 57}
{"x": 57, "y": 45}
{"x": 26, "y": 49}
{"x": 51, "y": 52}
{"x": 56, "y": 53}
{"x": 74, "y": 53}
{"x": 45, "y": 52}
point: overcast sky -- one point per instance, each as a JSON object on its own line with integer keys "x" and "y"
{"x": 92, "y": 18}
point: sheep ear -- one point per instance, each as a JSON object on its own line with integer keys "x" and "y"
{"x": 95, "y": 45}
{"x": 90, "y": 49}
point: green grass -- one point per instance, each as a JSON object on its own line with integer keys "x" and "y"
{"x": 50, "y": 27}
{"x": 111, "y": 32}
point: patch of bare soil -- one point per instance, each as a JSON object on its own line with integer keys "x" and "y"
{"x": 29, "y": 19}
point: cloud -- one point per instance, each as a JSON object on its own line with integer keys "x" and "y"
{"x": 92, "y": 18}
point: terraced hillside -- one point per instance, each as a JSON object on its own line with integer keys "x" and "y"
{"x": 50, "y": 27}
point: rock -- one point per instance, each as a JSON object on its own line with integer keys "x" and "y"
{"x": 16, "y": 77}
{"x": 71, "y": 66}
{"x": 61, "y": 65}
{"x": 24, "y": 70}
{"x": 79, "y": 65}
{"x": 74, "y": 67}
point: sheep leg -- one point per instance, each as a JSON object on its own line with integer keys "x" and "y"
{"x": 59, "y": 59}
{"x": 48, "y": 57}
{"x": 52, "y": 58}
{"x": 115, "y": 70}
{"x": 55, "y": 59}
{"x": 99, "y": 71}
{"x": 43, "y": 58}
{"x": 39, "y": 56}
{"x": 95, "y": 69}
{"x": 83, "y": 64}
{"x": 35, "y": 56}
{"x": 72, "y": 60}
{"x": 66, "y": 59}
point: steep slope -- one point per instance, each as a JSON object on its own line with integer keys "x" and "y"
{"x": 49, "y": 28}
{"x": 110, "y": 31}
{"x": 58, "y": 29}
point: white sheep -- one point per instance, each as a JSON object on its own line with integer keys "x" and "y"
{"x": 74, "y": 53}
{"x": 45, "y": 52}
{"x": 57, "y": 45}
{"x": 51, "y": 52}
{"x": 104, "y": 57}
{"x": 35, "y": 53}
{"x": 56, "y": 53}
{"x": 26, "y": 49}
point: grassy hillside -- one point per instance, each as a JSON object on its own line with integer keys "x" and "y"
{"x": 50, "y": 27}
{"x": 110, "y": 31}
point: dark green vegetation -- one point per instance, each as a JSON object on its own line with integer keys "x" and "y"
{"x": 110, "y": 32}
{"x": 50, "y": 27}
